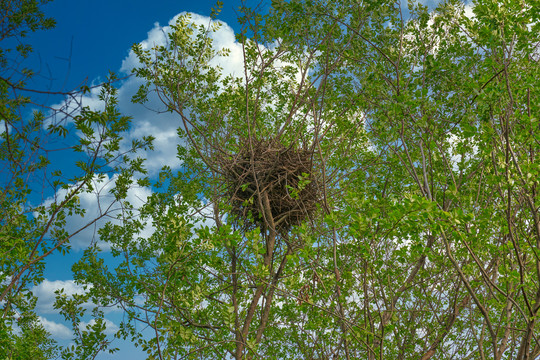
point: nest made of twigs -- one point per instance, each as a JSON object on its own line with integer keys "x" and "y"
{"x": 266, "y": 169}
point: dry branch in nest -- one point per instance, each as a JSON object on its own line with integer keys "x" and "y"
{"x": 266, "y": 168}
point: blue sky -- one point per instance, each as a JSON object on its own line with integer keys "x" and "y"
{"x": 97, "y": 35}
{"x": 90, "y": 39}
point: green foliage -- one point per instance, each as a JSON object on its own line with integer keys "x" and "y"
{"x": 89, "y": 339}
{"x": 29, "y": 341}
{"x": 423, "y": 127}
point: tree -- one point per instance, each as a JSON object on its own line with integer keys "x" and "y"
{"x": 371, "y": 177}
{"x": 36, "y": 198}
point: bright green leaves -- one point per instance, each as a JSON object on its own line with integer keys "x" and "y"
{"x": 89, "y": 338}
{"x": 31, "y": 341}
{"x": 303, "y": 181}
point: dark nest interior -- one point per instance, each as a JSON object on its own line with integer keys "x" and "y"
{"x": 267, "y": 168}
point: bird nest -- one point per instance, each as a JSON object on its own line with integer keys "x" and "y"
{"x": 265, "y": 169}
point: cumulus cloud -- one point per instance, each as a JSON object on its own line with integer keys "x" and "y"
{"x": 46, "y": 296}
{"x": 99, "y": 204}
{"x": 57, "y": 330}
{"x": 224, "y": 37}
{"x": 151, "y": 119}
{"x": 61, "y": 332}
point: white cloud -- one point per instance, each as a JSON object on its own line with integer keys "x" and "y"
{"x": 61, "y": 331}
{"x": 57, "y": 330}
{"x": 457, "y": 158}
{"x": 224, "y": 37}
{"x": 66, "y": 110}
{"x": 150, "y": 119}
{"x": 99, "y": 204}
{"x": 46, "y": 296}
{"x": 469, "y": 11}
{"x": 4, "y": 126}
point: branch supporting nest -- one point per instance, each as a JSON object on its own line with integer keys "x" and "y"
{"x": 267, "y": 168}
